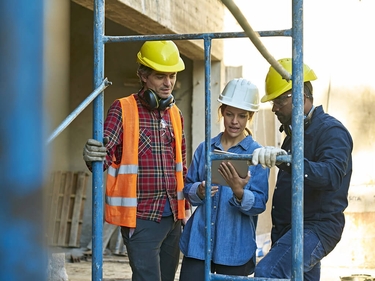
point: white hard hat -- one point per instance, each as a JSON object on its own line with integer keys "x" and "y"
{"x": 240, "y": 93}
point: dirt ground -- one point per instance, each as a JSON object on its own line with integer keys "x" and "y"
{"x": 117, "y": 268}
{"x": 112, "y": 270}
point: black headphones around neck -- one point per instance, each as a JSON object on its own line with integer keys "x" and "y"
{"x": 287, "y": 128}
{"x": 152, "y": 101}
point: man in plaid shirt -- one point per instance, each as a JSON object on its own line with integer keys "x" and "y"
{"x": 151, "y": 221}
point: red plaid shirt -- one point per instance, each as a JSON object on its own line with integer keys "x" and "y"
{"x": 156, "y": 158}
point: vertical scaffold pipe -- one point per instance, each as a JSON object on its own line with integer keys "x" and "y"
{"x": 297, "y": 140}
{"x": 207, "y": 67}
{"x": 98, "y": 120}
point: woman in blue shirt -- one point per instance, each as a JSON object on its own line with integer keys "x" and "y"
{"x": 235, "y": 207}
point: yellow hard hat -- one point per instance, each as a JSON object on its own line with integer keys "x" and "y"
{"x": 276, "y": 85}
{"x": 161, "y": 56}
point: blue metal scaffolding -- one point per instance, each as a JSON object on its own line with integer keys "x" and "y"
{"x": 100, "y": 39}
{"x": 297, "y": 122}
{"x": 24, "y": 64}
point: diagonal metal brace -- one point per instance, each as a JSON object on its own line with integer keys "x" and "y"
{"x": 79, "y": 109}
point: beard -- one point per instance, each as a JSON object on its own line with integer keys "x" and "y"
{"x": 285, "y": 120}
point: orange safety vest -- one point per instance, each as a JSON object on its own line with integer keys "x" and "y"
{"x": 121, "y": 189}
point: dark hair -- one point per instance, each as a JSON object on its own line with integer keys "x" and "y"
{"x": 143, "y": 71}
{"x": 308, "y": 90}
{"x": 220, "y": 112}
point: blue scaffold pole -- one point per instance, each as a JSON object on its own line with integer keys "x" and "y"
{"x": 297, "y": 141}
{"x": 22, "y": 150}
{"x": 98, "y": 120}
{"x": 207, "y": 64}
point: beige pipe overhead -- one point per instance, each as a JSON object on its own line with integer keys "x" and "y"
{"x": 254, "y": 37}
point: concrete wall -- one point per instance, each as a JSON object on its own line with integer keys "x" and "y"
{"x": 57, "y": 38}
{"x": 165, "y": 17}
{"x": 352, "y": 104}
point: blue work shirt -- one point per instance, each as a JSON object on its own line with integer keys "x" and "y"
{"x": 327, "y": 172}
{"x": 233, "y": 240}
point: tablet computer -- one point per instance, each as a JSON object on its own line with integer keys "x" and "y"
{"x": 241, "y": 166}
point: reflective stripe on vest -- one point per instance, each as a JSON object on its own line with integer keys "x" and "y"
{"x": 121, "y": 188}
{"x": 121, "y": 202}
{"x": 123, "y": 170}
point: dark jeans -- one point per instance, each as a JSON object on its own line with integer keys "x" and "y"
{"x": 278, "y": 262}
{"x": 193, "y": 269}
{"x": 153, "y": 249}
